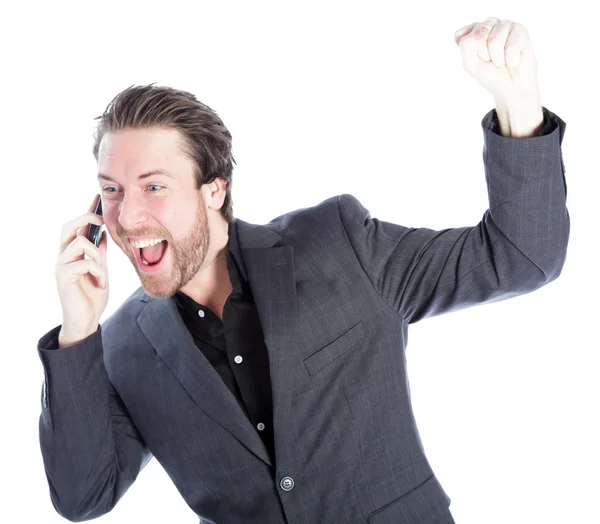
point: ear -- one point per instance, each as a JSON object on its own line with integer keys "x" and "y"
{"x": 214, "y": 193}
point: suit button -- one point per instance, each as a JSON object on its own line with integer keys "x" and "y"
{"x": 287, "y": 483}
{"x": 260, "y": 426}
{"x": 238, "y": 359}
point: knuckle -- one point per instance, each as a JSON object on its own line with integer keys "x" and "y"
{"x": 82, "y": 240}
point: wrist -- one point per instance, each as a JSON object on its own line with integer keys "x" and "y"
{"x": 522, "y": 118}
{"x": 68, "y": 338}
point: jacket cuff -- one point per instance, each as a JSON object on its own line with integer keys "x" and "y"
{"x": 490, "y": 122}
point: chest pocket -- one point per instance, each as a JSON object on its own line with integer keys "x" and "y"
{"x": 335, "y": 349}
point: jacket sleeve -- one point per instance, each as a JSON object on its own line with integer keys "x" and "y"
{"x": 519, "y": 245}
{"x": 91, "y": 449}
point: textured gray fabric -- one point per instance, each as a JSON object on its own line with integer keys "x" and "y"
{"x": 335, "y": 290}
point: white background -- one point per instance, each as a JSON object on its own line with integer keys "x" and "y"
{"x": 322, "y": 98}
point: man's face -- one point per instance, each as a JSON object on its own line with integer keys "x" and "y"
{"x": 154, "y": 207}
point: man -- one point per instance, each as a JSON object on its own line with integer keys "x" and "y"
{"x": 263, "y": 365}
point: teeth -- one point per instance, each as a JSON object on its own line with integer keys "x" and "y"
{"x": 146, "y": 243}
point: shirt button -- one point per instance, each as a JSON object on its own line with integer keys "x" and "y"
{"x": 201, "y": 313}
{"x": 260, "y": 426}
{"x": 238, "y": 359}
{"x": 287, "y": 483}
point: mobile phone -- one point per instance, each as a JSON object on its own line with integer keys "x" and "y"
{"x": 95, "y": 233}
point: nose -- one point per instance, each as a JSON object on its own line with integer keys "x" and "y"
{"x": 131, "y": 212}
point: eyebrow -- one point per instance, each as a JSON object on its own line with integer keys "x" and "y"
{"x": 142, "y": 176}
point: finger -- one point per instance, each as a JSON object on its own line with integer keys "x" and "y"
{"x": 471, "y": 28}
{"x": 516, "y": 43}
{"x": 496, "y": 42}
{"x": 75, "y": 227}
{"x": 474, "y": 44}
{"x": 463, "y": 31}
{"x": 77, "y": 249}
{"x": 74, "y": 270}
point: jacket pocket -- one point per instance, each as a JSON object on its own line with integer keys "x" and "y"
{"x": 425, "y": 504}
{"x": 335, "y": 349}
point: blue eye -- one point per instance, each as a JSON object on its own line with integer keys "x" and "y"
{"x": 151, "y": 185}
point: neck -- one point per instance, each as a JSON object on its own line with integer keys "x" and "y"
{"x": 212, "y": 286}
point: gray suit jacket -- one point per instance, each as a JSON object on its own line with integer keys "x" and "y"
{"x": 335, "y": 291}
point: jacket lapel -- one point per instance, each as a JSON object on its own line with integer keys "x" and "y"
{"x": 270, "y": 272}
{"x": 272, "y": 277}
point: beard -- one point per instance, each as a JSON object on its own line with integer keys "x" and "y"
{"x": 186, "y": 257}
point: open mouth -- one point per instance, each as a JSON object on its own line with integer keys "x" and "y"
{"x": 150, "y": 258}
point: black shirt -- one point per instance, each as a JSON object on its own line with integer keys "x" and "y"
{"x": 235, "y": 347}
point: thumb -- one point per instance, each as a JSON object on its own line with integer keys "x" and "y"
{"x": 462, "y": 32}
{"x": 474, "y": 47}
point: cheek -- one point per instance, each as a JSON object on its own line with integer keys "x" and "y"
{"x": 112, "y": 226}
{"x": 110, "y": 212}
{"x": 180, "y": 224}
{"x": 110, "y": 223}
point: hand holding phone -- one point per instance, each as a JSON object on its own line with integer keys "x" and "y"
{"x": 82, "y": 283}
